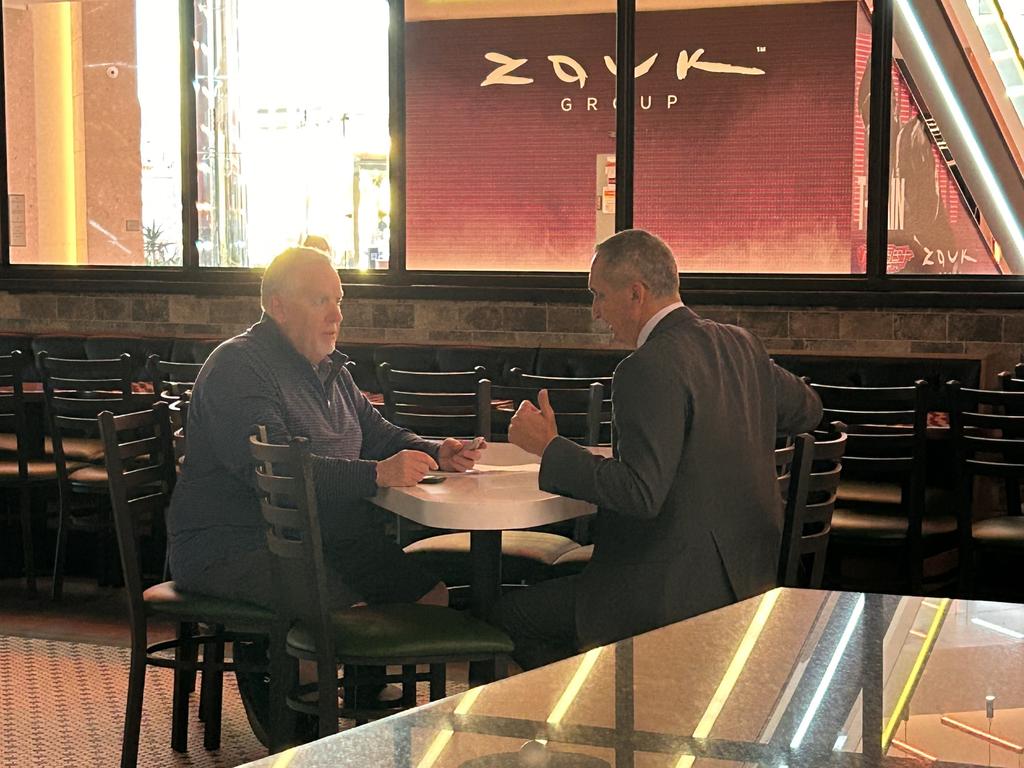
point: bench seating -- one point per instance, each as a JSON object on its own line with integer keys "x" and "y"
{"x": 825, "y": 368}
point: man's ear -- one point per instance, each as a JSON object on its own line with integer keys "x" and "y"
{"x": 275, "y": 307}
{"x": 638, "y": 292}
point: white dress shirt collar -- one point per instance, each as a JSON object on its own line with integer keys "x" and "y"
{"x": 655, "y": 319}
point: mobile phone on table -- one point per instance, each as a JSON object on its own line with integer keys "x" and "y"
{"x": 431, "y": 479}
{"x": 477, "y": 444}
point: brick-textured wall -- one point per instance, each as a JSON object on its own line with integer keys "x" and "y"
{"x": 996, "y": 336}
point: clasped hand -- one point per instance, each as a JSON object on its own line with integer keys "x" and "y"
{"x": 532, "y": 428}
{"x": 408, "y": 467}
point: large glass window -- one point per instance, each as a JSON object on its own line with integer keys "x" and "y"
{"x": 745, "y": 148}
{"x": 292, "y": 131}
{"x": 93, "y": 132}
{"x": 510, "y": 133}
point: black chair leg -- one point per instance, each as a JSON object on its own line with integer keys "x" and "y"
{"x": 284, "y": 675}
{"x": 437, "y": 681}
{"x": 327, "y": 695}
{"x": 26, "y": 539}
{"x": 57, "y": 590}
{"x": 179, "y": 704}
{"x": 133, "y": 707}
{"x": 211, "y": 693}
{"x": 408, "y": 685}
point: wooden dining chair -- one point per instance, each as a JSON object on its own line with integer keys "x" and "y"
{"x": 25, "y": 470}
{"x": 376, "y": 635}
{"x": 458, "y": 404}
{"x": 890, "y": 530}
{"x": 171, "y": 381}
{"x": 808, "y": 470}
{"x": 76, "y": 391}
{"x": 436, "y": 405}
{"x": 579, "y": 411}
{"x": 988, "y": 434}
{"x": 141, "y": 476}
{"x": 521, "y": 378}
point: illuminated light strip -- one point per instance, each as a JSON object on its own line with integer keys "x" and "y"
{"x": 915, "y": 671}
{"x": 918, "y": 633}
{"x": 1002, "y": 204}
{"x": 830, "y": 671}
{"x": 1000, "y": 629}
{"x": 930, "y": 604}
{"x": 977, "y": 732}
{"x": 443, "y": 737}
{"x": 904, "y": 747}
{"x": 285, "y": 758}
{"x": 573, "y": 688}
{"x": 732, "y": 673}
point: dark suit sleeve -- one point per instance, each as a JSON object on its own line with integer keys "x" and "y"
{"x": 652, "y": 410}
{"x": 797, "y": 406}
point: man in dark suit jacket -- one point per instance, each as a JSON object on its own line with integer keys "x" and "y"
{"x": 689, "y": 517}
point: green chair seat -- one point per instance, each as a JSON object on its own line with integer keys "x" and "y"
{"x": 164, "y": 598}
{"x": 405, "y": 631}
{"x": 525, "y": 555}
{"x": 876, "y": 526}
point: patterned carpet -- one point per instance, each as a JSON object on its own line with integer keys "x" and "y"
{"x": 62, "y": 704}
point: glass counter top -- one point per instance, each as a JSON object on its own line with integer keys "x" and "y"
{"x": 790, "y": 678}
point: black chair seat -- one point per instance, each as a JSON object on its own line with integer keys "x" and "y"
{"x": 90, "y": 475}
{"x": 864, "y": 525}
{"x": 164, "y": 598}
{"x": 75, "y": 448}
{"x": 525, "y": 555}
{"x": 38, "y": 471}
{"x": 405, "y": 631}
{"x": 1005, "y": 532}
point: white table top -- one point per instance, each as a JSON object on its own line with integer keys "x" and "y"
{"x": 499, "y": 493}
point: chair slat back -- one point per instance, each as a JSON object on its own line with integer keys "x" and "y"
{"x": 13, "y": 419}
{"x": 284, "y": 482}
{"x": 988, "y": 433}
{"x": 436, "y": 405}
{"x": 140, "y": 475}
{"x": 520, "y": 378}
{"x": 171, "y": 380}
{"x": 816, "y": 465}
{"x": 578, "y": 412}
{"x": 886, "y": 428}
{"x": 76, "y": 392}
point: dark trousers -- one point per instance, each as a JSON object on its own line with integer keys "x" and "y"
{"x": 541, "y": 620}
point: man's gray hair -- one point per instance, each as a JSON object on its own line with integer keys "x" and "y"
{"x": 635, "y": 254}
{"x": 277, "y": 277}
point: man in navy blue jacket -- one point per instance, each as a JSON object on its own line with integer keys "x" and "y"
{"x": 285, "y": 373}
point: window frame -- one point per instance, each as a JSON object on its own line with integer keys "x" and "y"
{"x": 874, "y": 288}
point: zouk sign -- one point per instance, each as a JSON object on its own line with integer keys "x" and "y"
{"x": 569, "y": 70}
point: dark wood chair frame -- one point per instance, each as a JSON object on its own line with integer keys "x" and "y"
{"x": 29, "y": 454}
{"x": 76, "y": 391}
{"x": 887, "y": 440}
{"x": 809, "y": 475}
{"x": 284, "y": 478}
{"x": 578, "y": 411}
{"x": 141, "y": 476}
{"x": 436, "y": 405}
{"x": 171, "y": 381}
{"x": 521, "y": 378}
{"x": 988, "y": 434}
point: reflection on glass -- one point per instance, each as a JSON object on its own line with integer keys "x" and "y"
{"x": 292, "y": 131}
{"x": 93, "y": 132}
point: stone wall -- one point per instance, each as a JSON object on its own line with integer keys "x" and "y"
{"x": 996, "y": 336}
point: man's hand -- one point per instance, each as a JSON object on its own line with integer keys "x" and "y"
{"x": 404, "y": 468}
{"x": 459, "y": 455}
{"x": 532, "y": 428}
